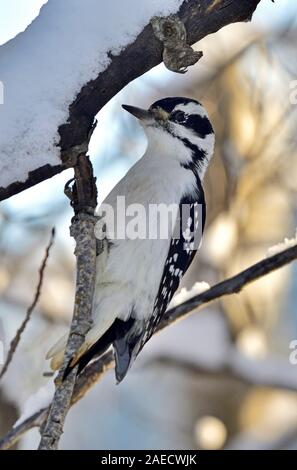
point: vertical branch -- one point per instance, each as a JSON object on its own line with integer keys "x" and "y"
{"x": 83, "y": 197}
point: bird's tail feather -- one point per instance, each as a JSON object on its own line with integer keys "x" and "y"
{"x": 118, "y": 337}
{"x": 96, "y": 350}
{"x": 56, "y": 353}
{"x": 124, "y": 357}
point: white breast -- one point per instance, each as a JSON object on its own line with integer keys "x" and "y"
{"x": 129, "y": 275}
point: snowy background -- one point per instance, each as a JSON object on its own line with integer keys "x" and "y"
{"x": 222, "y": 377}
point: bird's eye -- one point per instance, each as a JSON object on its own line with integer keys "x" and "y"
{"x": 179, "y": 117}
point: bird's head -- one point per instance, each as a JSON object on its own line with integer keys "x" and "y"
{"x": 179, "y": 127}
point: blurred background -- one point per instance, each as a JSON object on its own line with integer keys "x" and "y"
{"x": 221, "y": 378}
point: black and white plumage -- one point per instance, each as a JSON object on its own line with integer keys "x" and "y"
{"x": 137, "y": 278}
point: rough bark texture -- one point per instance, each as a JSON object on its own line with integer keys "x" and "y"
{"x": 83, "y": 200}
{"x": 200, "y": 19}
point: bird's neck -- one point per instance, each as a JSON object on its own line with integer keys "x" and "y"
{"x": 173, "y": 151}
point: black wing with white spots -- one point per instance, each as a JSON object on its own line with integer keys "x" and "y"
{"x": 182, "y": 250}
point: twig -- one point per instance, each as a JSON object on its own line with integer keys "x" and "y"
{"x": 14, "y": 435}
{"x": 83, "y": 201}
{"x": 234, "y": 284}
{"x": 15, "y": 342}
{"x": 231, "y": 371}
{"x": 85, "y": 381}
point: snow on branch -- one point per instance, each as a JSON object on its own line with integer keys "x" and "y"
{"x": 94, "y": 371}
{"x": 70, "y": 62}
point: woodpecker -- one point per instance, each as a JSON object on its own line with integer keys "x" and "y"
{"x": 137, "y": 277}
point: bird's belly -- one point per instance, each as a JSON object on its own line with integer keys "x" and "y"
{"x": 134, "y": 269}
{"x": 130, "y": 270}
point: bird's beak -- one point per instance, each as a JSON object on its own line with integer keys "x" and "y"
{"x": 139, "y": 113}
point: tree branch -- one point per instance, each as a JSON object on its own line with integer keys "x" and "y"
{"x": 200, "y": 19}
{"x": 84, "y": 201}
{"x": 83, "y": 383}
{"x": 233, "y": 285}
{"x": 96, "y": 369}
{"x": 274, "y": 379}
{"x": 15, "y": 342}
{"x": 17, "y": 432}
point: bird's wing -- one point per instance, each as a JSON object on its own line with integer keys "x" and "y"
{"x": 180, "y": 255}
{"x": 182, "y": 249}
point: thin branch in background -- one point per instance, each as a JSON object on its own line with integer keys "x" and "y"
{"x": 83, "y": 383}
{"x": 17, "y": 432}
{"x": 15, "y": 342}
{"x": 231, "y": 370}
{"x": 95, "y": 371}
{"x": 233, "y": 285}
{"x": 83, "y": 197}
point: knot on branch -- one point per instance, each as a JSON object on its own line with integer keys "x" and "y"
{"x": 177, "y": 54}
{"x": 83, "y": 224}
{"x": 83, "y": 192}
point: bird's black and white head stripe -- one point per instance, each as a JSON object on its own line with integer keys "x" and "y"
{"x": 187, "y": 121}
{"x": 184, "y": 121}
{"x": 186, "y": 112}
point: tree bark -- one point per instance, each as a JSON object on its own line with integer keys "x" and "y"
{"x": 200, "y": 19}
{"x": 83, "y": 201}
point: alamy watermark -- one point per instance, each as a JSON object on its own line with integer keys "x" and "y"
{"x": 1, "y": 92}
{"x": 151, "y": 222}
{"x": 1, "y": 353}
{"x": 293, "y": 354}
{"x": 2, "y": 343}
{"x": 293, "y": 94}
